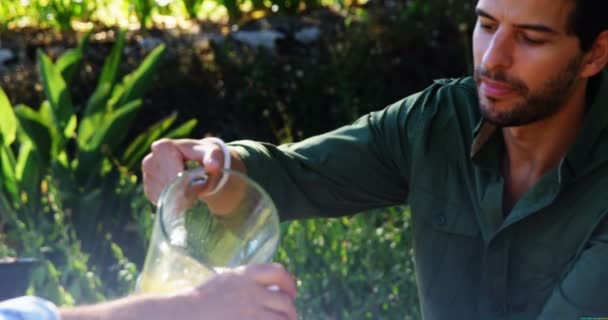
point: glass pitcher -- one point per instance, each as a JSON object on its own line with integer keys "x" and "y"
{"x": 190, "y": 241}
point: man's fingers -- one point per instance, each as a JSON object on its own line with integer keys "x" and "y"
{"x": 152, "y": 188}
{"x": 271, "y": 315}
{"x": 269, "y": 275}
{"x": 197, "y": 150}
{"x": 279, "y": 302}
{"x": 169, "y": 160}
{"x": 214, "y": 159}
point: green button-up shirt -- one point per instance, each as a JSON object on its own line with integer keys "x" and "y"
{"x": 548, "y": 259}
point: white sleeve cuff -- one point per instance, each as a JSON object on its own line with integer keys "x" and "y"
{"x": 28, "y": 308}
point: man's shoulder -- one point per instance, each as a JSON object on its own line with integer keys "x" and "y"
{"x": 445, "y": 97}
{"x": 462, "y": 83}
{"x": 451, "y": 93}
{"x": 451, "y": 100}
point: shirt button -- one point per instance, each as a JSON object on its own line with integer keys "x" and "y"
{"x": 440, "y": 220}
{"x": 500, "y": 309}
{"x": 519, "y": 307}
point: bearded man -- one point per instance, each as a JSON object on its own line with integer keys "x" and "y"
{"x": 505, "y": 172}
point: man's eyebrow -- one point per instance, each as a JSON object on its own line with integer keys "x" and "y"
{"x": 533, "y": 27}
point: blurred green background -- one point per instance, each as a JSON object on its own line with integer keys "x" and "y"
{"x": 88, "y": 85}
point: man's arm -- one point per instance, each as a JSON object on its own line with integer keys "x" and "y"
{"x": 135, "y": 307}
{"x": 354, "y": 168}
{"x": 233, "y": 295}
{"x": 582, "y": 292}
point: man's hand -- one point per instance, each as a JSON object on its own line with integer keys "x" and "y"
{"x": 245, "y": 293}
{"x": 237, "y": 294}
{"x": 168, "y": 157}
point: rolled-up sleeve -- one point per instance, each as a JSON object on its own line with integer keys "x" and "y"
{"x": 28, "y": 308}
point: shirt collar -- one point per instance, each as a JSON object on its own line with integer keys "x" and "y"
{"x": 587, "y": 151}
{"x": 591, "y": 146}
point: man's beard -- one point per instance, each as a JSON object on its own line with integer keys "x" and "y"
{"x": 533, "y": 106}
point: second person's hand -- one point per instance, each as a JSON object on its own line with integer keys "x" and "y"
{"x": 244, "y": 293}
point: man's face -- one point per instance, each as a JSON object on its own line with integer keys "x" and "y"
{"x": 526, "y": 63}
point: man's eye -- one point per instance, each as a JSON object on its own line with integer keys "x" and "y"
{"x": 532, "y": 41}
{"x": 487, "y": 27}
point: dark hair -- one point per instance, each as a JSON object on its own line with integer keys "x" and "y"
{"x": 588, "y": 19}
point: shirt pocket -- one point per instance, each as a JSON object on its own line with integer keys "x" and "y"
{"x": 448, "y": 247}
{"x": 453, "y": 220}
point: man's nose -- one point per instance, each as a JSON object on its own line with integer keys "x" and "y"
{"x": 499, "y": 53}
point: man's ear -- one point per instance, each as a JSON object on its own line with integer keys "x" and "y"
{"x": 597, "y": 57}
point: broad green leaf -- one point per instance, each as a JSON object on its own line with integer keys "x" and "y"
{"x": 93, "y": 114}
{"x": 112, "y": 63}
{"x": 7, "y": 213}
{"x": 56, "y": 91}
{"x": 37, "y": 131}
{"x": 46, "y": 113}
{"x": 183, "y": 130}
{"x": 138, "y": 148}
{"x": 106, "y": 138}
{"x": 70, "y": 128}
{"x": 114, "y": 127}
{"x": 8, "y": 124}
{"x": 46, "y": 116}
{"x": 62, "y": 158}
{"x": 136, "y": 83}
{"x": 84, "y": 41}
{"x": 69, "y": 62}
{"x": 117, "y": 93}
{"x": 28, "y": 170}
{"x": 9, "y": 181}
{"x": 141, "y": 145}
{"x": 88, "y": 209}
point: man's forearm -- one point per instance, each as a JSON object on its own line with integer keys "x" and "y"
{"x": 130, "y": 308}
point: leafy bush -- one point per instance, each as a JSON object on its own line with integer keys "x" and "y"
{"x": 62, "y": 13}
{"x": 353, "y": 268}
{"x": 68, "y": 183}
{"x": 193, "y": 7}
{"x": 143, "y": 11}
{"x": 360, "y": 64}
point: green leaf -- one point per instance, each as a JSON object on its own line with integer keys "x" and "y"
{"x": 117, "y": 93}
{"x": 93, "y": 114}
{"x": 9, "y": 181}
{"x": 138, "y": 148}
{"x": 70, "y": 128}
{"x": 8, "y": 124}
{"x": 46, "y": 116}
{"x": 115, "y": 126}
{"x": 56, "y": 91}
{"x": 84, "y": 41}
{"x": 112, "y": 63}
{"x": 37, "y": 131}
{"x": 28, "y": 170}
{"x": 106, "y": 138}
{"x": 136, "y": 83}
{"x": 182, "y": 131}
{"x": 46, "y": 113}
{"x": 67, "y": 64}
